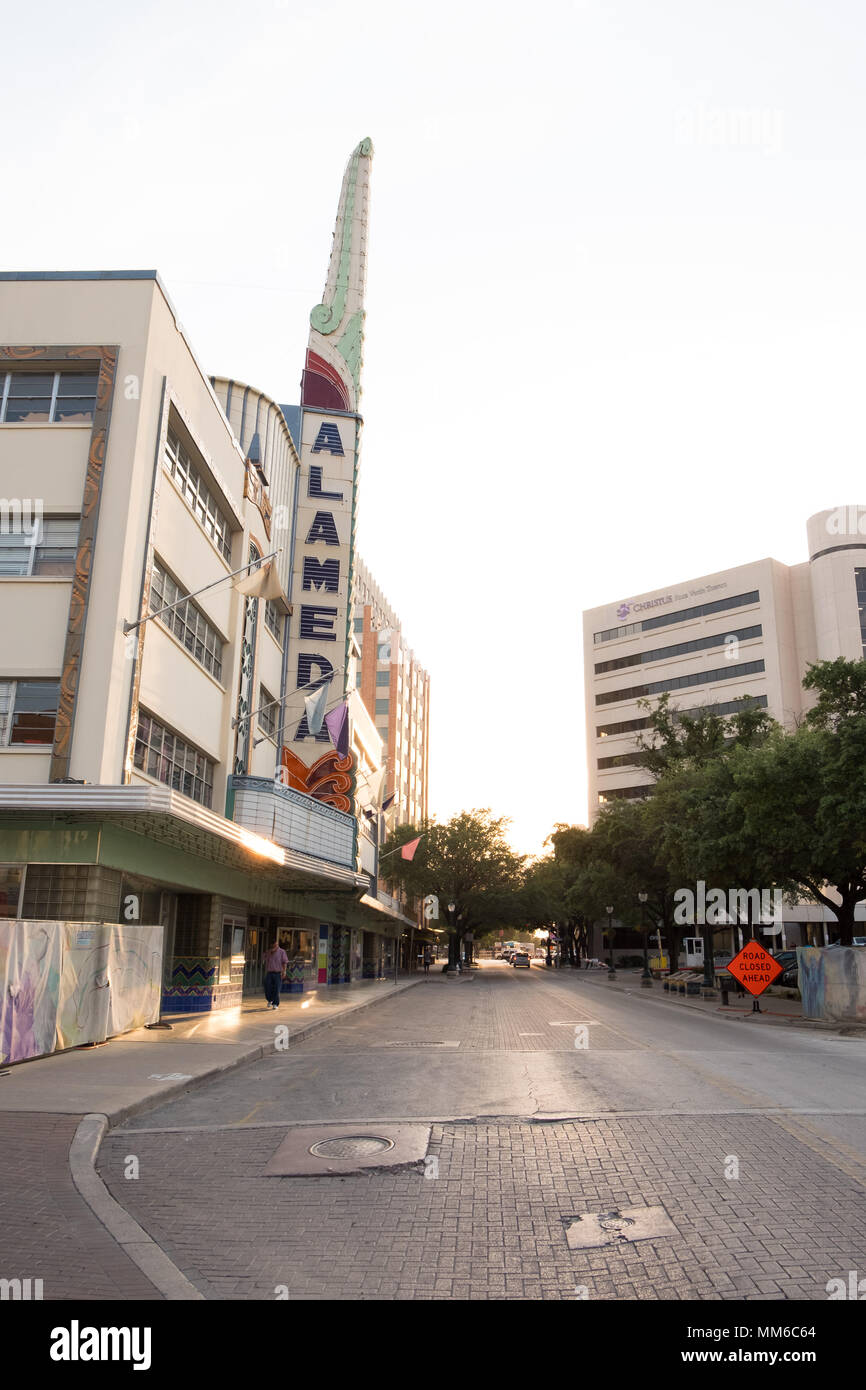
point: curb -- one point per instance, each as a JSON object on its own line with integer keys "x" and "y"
{"x": 255, "y": 1053}
{"x": 818, "y": 1025}
{"x": 135, "y": 1242}
{"x": 150, "y": 1258}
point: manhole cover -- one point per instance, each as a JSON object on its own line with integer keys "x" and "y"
{"x": 615, "y": 1223}
{"x": 351, "y": 1146}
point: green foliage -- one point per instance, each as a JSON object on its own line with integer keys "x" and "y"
{"x": 465, "y": 861}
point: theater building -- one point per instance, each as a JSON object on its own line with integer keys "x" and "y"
{"x": 152, "y": 614}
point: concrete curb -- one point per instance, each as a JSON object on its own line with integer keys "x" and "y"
{"x": 84, "y": 1149}
{"x": 678, "y": 1002}
{"x": 254, "y": 1053}
{"x": 136, "y": 1243}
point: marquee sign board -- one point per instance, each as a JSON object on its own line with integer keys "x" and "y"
{"x": 323, "y": 567}
{"x": 754, "y": 967}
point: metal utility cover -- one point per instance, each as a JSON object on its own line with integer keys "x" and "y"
{"x": 592, "y": 1230}
{"x": 293, "y": 1158}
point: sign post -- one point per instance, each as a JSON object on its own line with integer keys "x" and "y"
{"x": 755, "y": 969}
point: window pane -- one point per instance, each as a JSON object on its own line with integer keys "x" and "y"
{"x": 32, "y": 728}
{"x": 36, "y": 695}
{"x": 10, "y": 887}
{"x": 74, "y": 408}
{"x": 77, "y": 384}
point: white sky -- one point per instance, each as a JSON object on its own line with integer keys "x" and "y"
{"x": 615, "y": 332}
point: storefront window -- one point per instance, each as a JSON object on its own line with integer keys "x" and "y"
{"x": 11, "y": 877}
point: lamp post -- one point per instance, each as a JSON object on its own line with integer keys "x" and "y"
{"x": 611, "y": 973}
{"x": 452, "y": 941}
{"x": 708, "y": 987}
{"x": 646, "y": 978}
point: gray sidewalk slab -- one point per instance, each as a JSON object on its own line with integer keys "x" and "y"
{"x": 145, "y": 1067}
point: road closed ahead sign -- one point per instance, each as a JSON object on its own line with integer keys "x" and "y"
{"x": 755, "y": 968}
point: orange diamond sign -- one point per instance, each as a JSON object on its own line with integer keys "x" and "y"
{"x": 754, "y": 967}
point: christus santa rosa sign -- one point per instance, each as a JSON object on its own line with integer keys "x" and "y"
{"x": 316, "y": 757}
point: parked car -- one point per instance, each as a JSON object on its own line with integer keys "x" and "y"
{"x": 521, "y": 959}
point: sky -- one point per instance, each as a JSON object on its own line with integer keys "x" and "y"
{"x": 616, "y": 294}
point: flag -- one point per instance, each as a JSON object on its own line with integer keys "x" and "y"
{"x": 262, "y": 583}
{"x": 377, "y": 786}
{"x": 315, "y": 707}
{"x": 388, "y": 802}
{"x": 408, "y": 850}
{"x": 337, "y": 724}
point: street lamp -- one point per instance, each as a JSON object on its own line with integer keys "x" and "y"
{"x": 452, "y": 941}
{"x": 611, "y": 973}
{"x": 708, "y": 988}
{"x": 646, "y": 978}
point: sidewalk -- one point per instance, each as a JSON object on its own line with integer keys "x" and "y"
{"x": 774, "y": 1009}
{"x": 141, "y": 1069}
{"x": 60, "y": 1223}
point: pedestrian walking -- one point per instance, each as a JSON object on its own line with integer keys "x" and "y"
{"x": 276, "y": 961}
{"x": 427, "y": 960}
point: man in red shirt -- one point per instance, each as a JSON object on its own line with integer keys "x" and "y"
{"x": 276, "y": 961}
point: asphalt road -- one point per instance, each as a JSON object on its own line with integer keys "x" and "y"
{"x": 554, "y": 1105}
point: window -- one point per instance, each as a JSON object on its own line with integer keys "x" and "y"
{"x": 48, "y": 398}
{"x": 630, "y": 726}
{"x": 274, "y": 621}
{"x": 268, "y": 711}
{"x": 702, "y": 610}
{"x": 359, "y": 624}
{"x": 186, "y": 621}
{"x": 382, "y": 706}
{"x": 11, "y": 876}
{"x": 168, "y": 758}
{"x": 197, "y": 494}
{"x": 50, "y": 549}
{"x": 625, "y": 793}
{"x": 28, "y": 712}
{"x": 635, "y": 692}
{"x": 697, "y": 644}
{"x": 383, "y": 678}
{"x": 860, "y": 581}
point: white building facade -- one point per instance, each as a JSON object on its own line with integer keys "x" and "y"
{"x": 718, "y": 640}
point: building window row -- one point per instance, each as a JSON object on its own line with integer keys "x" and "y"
{"x": 170, "y": 759}
{"x": 48, "y": 398}
{"x": 269, "y": 709}
{"x": 682, "y": 615}
{"x": 197, "y": 494}
{"x": 697, "y": 644}
{"x": 721, "y": 673}
{"x": 625, "y": 793}
{"x": 50, "y": 550}
{"x": 860, "y": 581}
{"x": 28, "y": 712}
{"x": 186, "y": 621}
{"x": 274, "y": 621}
{"x": 633, "y": 726}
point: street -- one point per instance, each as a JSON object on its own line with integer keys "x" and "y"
{"x": 549, "y": 1097}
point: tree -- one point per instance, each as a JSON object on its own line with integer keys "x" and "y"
{"x": 802, "y": 798}
{"x": 465, "y": 861}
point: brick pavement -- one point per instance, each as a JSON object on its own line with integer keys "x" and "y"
{"x": 47, "y": 1230}
{"x": 492, "y": 1225}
